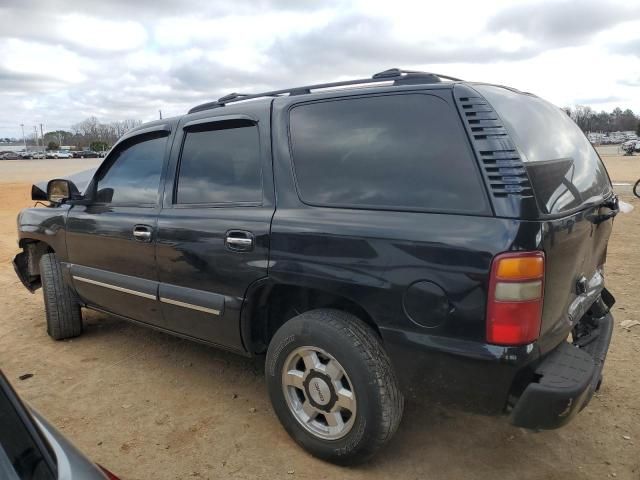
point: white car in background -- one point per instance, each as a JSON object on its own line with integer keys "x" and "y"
{"x": 630, "y": 146}
{"x": 59, "y": 154}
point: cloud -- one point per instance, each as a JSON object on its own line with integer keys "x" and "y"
{"x": 18, "y": 82}
{"x": 562, "y": 23}
{"x": 64, "y": 60}
{"x": 599, "y": 100}
{"x": 153, "y": 9}
{"x": 76, "y": 32}
{"x": 627, "y": 48}
{"x": 627, "y": 82}
{"x": 362, "y": 43}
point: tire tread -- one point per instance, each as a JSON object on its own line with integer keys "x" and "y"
{"x": 62, "y": 310}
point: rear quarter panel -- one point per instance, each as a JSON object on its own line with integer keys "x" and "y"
{"x": 373, "y": 256}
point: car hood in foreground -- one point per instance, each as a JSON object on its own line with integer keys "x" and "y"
{"x": 72, "y": 464}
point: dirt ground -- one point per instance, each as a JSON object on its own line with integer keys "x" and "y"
{"x": 151, "y": 406}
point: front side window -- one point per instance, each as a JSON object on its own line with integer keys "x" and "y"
{"x": 220, "y": 163}
{"x": 133, "y": 174}
{"x": 404, "y": 152}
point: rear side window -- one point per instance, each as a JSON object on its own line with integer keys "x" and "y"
{"x": 402, "y": 152}
{"x": 220, "y": 163}
{"x": 564, "y": 168}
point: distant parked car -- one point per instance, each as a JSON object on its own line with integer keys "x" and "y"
{"x": 59, "y": 154}
{"x": 9, "y": 156}
{"x": 25, "y": 155}
{"x": 38, "y": 155}
{"x": 103, "y": 153}
{"x": 630, "y": 147}
{"x": 86, "y": 154}
{"x": 30, "y": 448}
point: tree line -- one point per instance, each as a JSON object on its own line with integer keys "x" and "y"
{"x": 87, "y": 134}
{"x": 591, "y": 121}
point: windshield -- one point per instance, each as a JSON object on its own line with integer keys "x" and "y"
{"x": 564, "y": 168}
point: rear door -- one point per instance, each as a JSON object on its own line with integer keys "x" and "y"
{"x": 111, "y": 241}
{"x": 213, "y": 229}
{"x": 571, "y": 186}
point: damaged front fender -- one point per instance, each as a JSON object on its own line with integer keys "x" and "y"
{"x": 20, "y": 265}
{"x": 27, "y": 265}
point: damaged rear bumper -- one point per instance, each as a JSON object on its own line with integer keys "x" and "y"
{"x": 566, "y": 380}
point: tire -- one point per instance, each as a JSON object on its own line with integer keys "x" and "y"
{"x": 64, "y": 318}
{"x": 636, "y": 189}
{"x": 361, "y": 404}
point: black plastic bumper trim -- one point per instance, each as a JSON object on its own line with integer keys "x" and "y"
{"x": 568, "y": 377}
{"x": 21, "y": 269}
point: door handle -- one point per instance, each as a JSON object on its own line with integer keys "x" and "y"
{"x": 142, "y": 233}
{"x": 239, "y": 240}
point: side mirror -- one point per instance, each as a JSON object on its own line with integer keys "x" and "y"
{"x": 60, "y": 190}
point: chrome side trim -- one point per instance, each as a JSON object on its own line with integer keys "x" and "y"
{"x": 190, "y": 305}
{"x": 114, "y": 287}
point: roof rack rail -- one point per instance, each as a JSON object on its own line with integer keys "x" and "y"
{"x": 397, "y": 75}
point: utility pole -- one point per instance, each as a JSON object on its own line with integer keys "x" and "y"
{"x": 35, "y": 130}
{"x": 24, "y": 139}
{"x": 42, "y": 137}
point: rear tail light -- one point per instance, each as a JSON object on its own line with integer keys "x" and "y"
{"x": 514, "y": 306}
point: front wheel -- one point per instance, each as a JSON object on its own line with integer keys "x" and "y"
{"x": 64, "y": 318}
{"x": 636, "y": 189}
{"x": 332, "y": 386}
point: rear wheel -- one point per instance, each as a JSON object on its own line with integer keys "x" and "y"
{"x": 64, "y": 318}
{"x": 636, "y": 189}
{"x": 332, "y": 386}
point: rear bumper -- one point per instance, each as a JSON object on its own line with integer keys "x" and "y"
{"x": 538, "y": 390}
{"x": 566, "y": 380}
{"x": 470, "y": 376}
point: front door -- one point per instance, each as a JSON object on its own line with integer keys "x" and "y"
{"x": 213, "y": 229}
{"x": 111, "y": 241}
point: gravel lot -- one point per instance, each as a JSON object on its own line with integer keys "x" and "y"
{"x": 148, "y": 405}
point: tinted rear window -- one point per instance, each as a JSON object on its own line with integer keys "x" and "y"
{"x": 220, "y": 163}
{"x": 564, "y": 168}
{"x": 405, "y": 152}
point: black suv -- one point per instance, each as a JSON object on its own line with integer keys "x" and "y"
{"x": 410, "y": 234}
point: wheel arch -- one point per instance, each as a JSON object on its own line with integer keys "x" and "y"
{"x": 268, "y": 305}
{"x": 27, "y": 263}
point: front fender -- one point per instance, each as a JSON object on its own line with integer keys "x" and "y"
{"x": 45, "y": 225}
{"x": 21, "y": 267}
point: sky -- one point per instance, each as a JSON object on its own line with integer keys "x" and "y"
{"x": 62, "y": 61}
